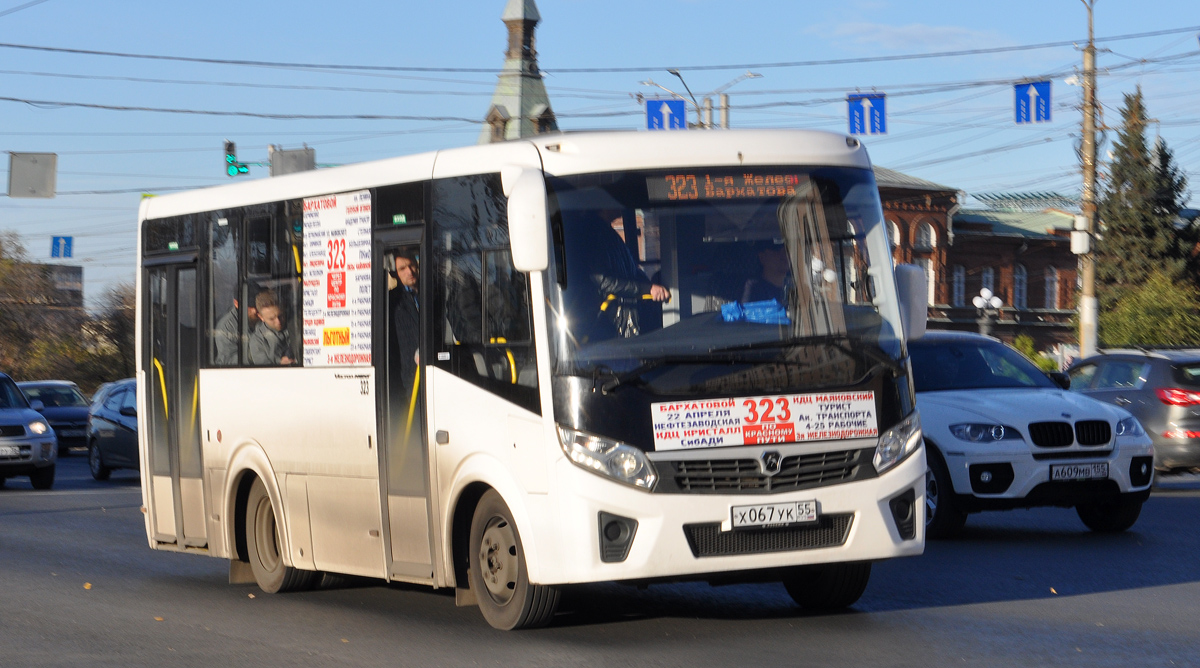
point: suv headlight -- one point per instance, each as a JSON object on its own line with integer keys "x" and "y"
{"x": 984, "y": 433}
{"x": 1130, "y": 426}
{"x": 621, "y": 462}
{"x": 38, "y": 427}
{"x": 898, "y": 442}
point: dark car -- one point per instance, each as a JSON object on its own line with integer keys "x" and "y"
{"x": 1161, "y": 388}
{"x": 112, "y": 431}
{"x": 27, "y": 444}
{"x": 65, "y": 409}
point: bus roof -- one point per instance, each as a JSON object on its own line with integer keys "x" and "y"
{"x": 561, "y": 154}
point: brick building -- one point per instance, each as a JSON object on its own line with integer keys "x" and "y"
{"x": 1019, "y": 248}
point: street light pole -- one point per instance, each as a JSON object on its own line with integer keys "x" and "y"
{"x": 699, "y": 113}
{"x": 1088, "y": 305}
{"x": 987, "y": 306}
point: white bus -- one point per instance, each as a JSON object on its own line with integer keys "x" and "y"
{"x": 642, "y": 357}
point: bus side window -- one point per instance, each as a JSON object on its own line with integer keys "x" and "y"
{"x": 481, "y": 307}
{"x": 225, "y": 310}
{"x": 274, "y": 257}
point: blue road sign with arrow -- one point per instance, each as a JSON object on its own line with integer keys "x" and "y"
{"x": 1032, "y": 102}
{"x": 666, "y": 115}
{"x": 61, "y": 246}
{"x": 868, "y": 113}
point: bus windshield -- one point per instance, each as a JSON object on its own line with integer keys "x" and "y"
{"x": 711, "y": 282}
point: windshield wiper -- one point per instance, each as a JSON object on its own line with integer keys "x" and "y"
{"x": 641, "y": 370}
{"x": 836, "y": 340}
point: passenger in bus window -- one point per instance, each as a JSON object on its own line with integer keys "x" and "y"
{"x": 227, "y": 333}
{"x": 406, "y": 321}
{"x": 271, "y": 343}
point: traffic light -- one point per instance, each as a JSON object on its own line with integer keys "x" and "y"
{"x": 232, "y": 166}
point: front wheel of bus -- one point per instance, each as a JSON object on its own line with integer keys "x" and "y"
{"x": 262, "y": 546}
{"x": 497, "y": 571}
{"x": 826, "y": 587}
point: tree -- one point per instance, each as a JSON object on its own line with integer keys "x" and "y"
{"x": 1163, "y": 311}
{"x": 1138, "y": 209}
{"x": 39, "y": 335}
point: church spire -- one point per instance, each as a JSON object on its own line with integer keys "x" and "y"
{"x": 520, "y": 106}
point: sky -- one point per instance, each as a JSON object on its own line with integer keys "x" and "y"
{"x": 950, "y": 118}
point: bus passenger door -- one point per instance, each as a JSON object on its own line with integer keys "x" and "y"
{"x": 404, "y": 454}
{"x": 173, "y": 468}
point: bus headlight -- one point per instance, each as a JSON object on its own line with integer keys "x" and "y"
{"x": 621, "y": 462}
{"x": 898, "y": 442}
{"x": 38, "y": 427}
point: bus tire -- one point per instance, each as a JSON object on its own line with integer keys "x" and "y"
{"x": 42, "y": 478}
{"x": 262, "y": 546}
{"x": 827, "y": 587}
{"x": 497, "y": 572}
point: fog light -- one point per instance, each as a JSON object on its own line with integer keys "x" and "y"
{"x": 986, "y": 476}
{"x": 616, "y": 536}
{"x": 46, "y": 448}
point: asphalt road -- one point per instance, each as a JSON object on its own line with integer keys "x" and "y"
{"x": 80, "y": 587}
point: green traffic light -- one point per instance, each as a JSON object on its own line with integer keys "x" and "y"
{"x": 243, "y": 169}
{"x": 230, "y": 158}
{"x": 232, "y": 170}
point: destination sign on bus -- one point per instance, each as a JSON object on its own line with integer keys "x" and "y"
{"x": 685, "y": 186}
{"x": 782, "y": 418}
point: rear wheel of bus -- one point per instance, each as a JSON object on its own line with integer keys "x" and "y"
{"x": 262, "y": 546}
{"x": 826, "y": 587}
{"x": 498, "y": 573}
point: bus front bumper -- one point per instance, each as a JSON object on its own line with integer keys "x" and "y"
{"x": 600, "y": 530}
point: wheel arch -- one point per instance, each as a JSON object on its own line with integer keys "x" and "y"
{"x": 473, "y": 478}
{"x": 249, "y": 463}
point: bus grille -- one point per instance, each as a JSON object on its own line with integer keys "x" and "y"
{"x": 743, "y": 476}
{"x": 707, "y": 540}
{"x": 1092, "y": 432}
{"x": 1051, "y": 434}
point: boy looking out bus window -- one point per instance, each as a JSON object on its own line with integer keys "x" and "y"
{"x": 270, "y": 344}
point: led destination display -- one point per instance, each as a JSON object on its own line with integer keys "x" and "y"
{"x": 705, "y": 185}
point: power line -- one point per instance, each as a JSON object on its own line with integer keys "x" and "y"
{"x": 20, "y": 7}
{"x": 595, "y": 70}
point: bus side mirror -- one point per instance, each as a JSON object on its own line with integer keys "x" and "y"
{"x": 528, "y": 232}
{"x": 912, "y": 290}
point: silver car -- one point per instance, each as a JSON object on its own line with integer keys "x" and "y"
{"x": 27, "y": 443}
{"x": 1161, "y": 388}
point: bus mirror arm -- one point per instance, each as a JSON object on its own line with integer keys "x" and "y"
{"x": 528, "y": 231}
{"x": 912, "y": 291}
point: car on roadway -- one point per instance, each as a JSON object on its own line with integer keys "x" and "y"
{"x": 1159, "y": 387}
{"x": 28, "y": 446}
{"x": 65, "y": 409}
{"x": 112, "y": 429}
{"x": 1001, "y": 434}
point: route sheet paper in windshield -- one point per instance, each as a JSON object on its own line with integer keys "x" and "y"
{"x": 337, "y": 280}
{"x": 780, "y": 418}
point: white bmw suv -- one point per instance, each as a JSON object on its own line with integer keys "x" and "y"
{"x": 1001, "y": 434}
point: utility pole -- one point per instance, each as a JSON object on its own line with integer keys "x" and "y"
{"x": 1088, "y": 306}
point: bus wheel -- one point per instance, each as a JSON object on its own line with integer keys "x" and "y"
{"x": 497, "y": 571}
{"x": 828, "y": 586}
{"x": 262, "y": 546}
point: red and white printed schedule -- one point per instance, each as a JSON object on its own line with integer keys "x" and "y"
{"x": 337, "y": 280}
{"x": 779, "y": 418}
